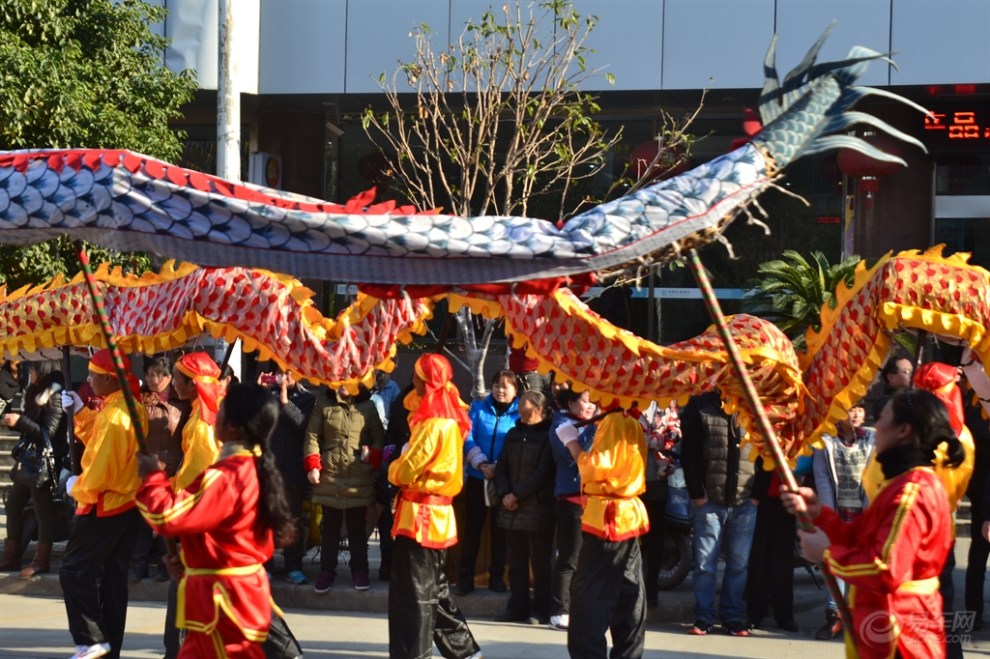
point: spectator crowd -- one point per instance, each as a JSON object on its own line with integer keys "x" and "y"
{"x": 547, "y": 497}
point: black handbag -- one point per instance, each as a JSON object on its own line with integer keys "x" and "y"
{"x": 34, "y": 467}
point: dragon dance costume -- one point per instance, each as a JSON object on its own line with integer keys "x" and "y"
{"x": 429, "y": 473}
{"x": 93, "y": 575}
{"x": 224, "y": 597}
{"x": 891, "y": 557}
{"x": 607, "y": 592}
{"x": 199, "y": 446}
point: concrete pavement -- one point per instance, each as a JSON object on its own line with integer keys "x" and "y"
{"x": 346, "y": 623}
{"x": 34, "y": 627}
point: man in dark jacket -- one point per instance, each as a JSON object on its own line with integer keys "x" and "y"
{"x": 295, "y": 405}
{"x": 719, "y": 482}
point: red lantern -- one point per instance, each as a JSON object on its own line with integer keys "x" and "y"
{"x": 867, "y": 170}
{"x": 751, "y": 126}
{"x": 855, "y": 164}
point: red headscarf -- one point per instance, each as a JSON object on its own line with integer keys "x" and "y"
{"x": 102, "y": 363}
{"x": 441, "y": 399}
{"x": 204, "y": 372}
{"x": 940, "y": 379}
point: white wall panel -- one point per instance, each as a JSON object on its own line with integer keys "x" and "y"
{"x": 192, "y": 27}
{"x": 628, "y": 39}
{"x": 941, "y": 41}
{"x": 246, "y": 44}
{"x": 302, "y": 46}
{"x": 857, "y": 23}
{"x": 328, "y": 46}
{"x": 378, "y": 37}
{"x": 464, "y": 11}
{"x": 715, "y": 44}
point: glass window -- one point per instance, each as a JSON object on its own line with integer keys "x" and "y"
{"x": 964, "y": 174}
{"x": 966, "y": 235}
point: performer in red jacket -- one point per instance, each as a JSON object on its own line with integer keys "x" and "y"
{"x": 891, "y": 555}
{"x": 229, "y": 520}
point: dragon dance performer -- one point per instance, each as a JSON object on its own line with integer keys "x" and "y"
{"x": 229, "y": 520}
{"x": 892, "y": 555}
{"x": 196, "y": 377}
{"x": 939, "y": 379}
{"x": 607, "y": 592}
{"x": 429, "y": 473}
{"x": 94, "y": 570}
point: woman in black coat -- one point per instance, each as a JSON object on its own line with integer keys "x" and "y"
{"x": 42, "y": 411}
{"x": 524, "y": 479}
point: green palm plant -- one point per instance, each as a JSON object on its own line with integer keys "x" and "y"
{"x": 791, "y": 291}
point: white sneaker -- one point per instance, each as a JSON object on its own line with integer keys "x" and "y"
{"x": 476, "y": 655}
{"x": 560, "y": 622}
{"x": 91, "y": 651}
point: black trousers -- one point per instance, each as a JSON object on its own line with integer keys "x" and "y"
{"x": 946, "y": 586}
{"x": 771, "y": 563}
{"x": 475, "y": 514}
{"x": 420, "y": 609}
{"x": 172, "y": 637}
{"x": 652, "y": 546}
{"x": 357, "y": 537}
{"x": 526, "y": 548}
{"x": 385, "y": 537}
{"x": 976, "y": 566}
{"x": 148, "y": 550}
{"x": 567, "y": 523}
{"x": 607, "y": 595}
{"x": 293, "y": 554}
{"x": 94, "y": 577}
{"x": 44, "y": 511}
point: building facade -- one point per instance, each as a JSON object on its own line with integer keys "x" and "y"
{"x": 308, "y": 67}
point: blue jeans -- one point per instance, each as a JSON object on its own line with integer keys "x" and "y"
{"x": 717, "y": 527}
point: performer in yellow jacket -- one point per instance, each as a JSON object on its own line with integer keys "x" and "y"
{"x": 607, "y": 592}
{"x": 196, "y": 378}
{"x": 94, "y": 571}
{"x": 428, "y": 474}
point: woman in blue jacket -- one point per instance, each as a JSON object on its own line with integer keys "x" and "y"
{"x": 574, "y": 408}
{"x": 491, "y": 418}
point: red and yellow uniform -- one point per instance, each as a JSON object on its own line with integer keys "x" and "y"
{"x": 891, "y": 557}
{"x": 199, "y": 448}
{"x": 612, "y": 478}
{"x": 93, "y": 575}
{"x": 224, "y": 597}
{"x": 430, "y": 473}
{"x": 109, "y": 475}
{"x": 939, "y": 379}
{"x": 954, "y": 480}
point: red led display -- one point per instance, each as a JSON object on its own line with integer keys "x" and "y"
{"x": 958, "y": 125}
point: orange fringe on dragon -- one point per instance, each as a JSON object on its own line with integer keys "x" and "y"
{"x": 804, "y": 394}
